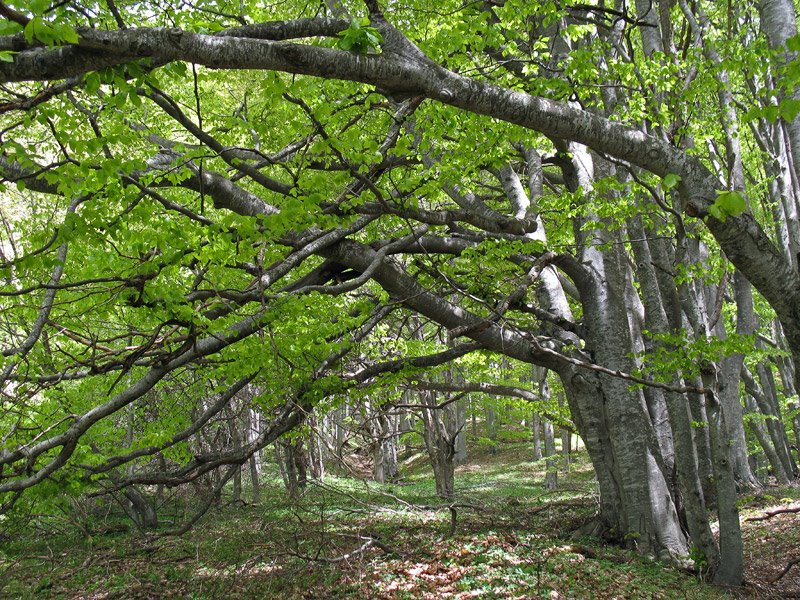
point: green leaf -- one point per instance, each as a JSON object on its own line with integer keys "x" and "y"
{"x": 28, "y": 31}
{"x": 732, "y": 203}
{"x": 771, "y": 113}
{"x": 67, "y": 34}
{"x": 49, "y": 34}
{"x": 359, "y": 37}
{"x": 9, "y": 27}
{"x": 670, "y": 181}
{"x": 789, "y": 109}
{"x": 39, "y": 6}
{"x": 727, "y": 204}
{"x": 91, "y": 82}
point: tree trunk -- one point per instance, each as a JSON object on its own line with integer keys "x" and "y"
{"x": 140, "y": 509}
{"x": 729, "y": 572}
{"x": 491, "y": 427}
{"x": 440, "y": 444}
{"x": 551, "y": 467}
{"x": 536, "y": 425}
{"x": 385, "y": 449}
{"x": 461, "y": 436}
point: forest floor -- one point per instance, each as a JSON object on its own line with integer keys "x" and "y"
{"x": 504, "y": 537}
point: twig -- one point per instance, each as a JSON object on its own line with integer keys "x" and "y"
{"x": 369, "y": 542}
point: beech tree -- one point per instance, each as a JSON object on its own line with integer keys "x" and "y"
{"x": 234, "y": 194}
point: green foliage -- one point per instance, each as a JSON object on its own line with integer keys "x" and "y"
{"x": 699, "y": 558}
{"x": 681, "y": 353}
{"x": 512, "y": 435}
{"x": 670, "y": 181}
{"x": 50, "y": 34}
{"x": 727, "y": 204}
{"x": 360, "y": 37}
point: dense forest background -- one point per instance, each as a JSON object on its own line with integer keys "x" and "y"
{"x": 237, "y": 235}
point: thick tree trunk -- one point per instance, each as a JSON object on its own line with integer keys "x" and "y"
{"x": 650, "y": 515}
{"x": 660, "y": 320}
{"x": 730, "y": 570}
{"x": 140, "y": 509}
{"x": 440, "y": 444}
{"x": 385, "y": 449}
{"x": 779, "y": 22}
{"x": 292, "y": 458}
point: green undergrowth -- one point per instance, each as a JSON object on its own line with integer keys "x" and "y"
{"x": 504, "y": 536}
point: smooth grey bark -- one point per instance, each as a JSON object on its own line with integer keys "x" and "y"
{"x": 461, "y": 436}
{"x": 341, "y": 431}
{"x": 566, "y": 448}
{"x": 251, "y": 432}
{"x": 237, "y": 486}
{"x": 730, "y": 570}
{"x": 234, "y": 436}
{"x": 316, "y": 453}
{"x": 616, "y": 431}
{"x": 651, "y": 511}
{"x": 551, "y": 462}
{"x": 536, "y": 427}
{"x": 455, "y": 376}
{"x": 140, "y": 508}
{"x": 779, "y": 23}
{"x": 611, "y": 393}
{"x": 729, "y": 394}
{"x": 292, "y": 461}
{"x": 694, "y": 306}
{"x": 439, "y": 434}
{"x": 490, "y": 418}
{"x": 782, "y": 185}
{"x": 255, "y": 478}
{"x": 649, "y": 22}
{"x": 745, "y": 324}
{"x": 657, "y": 320}
{"x": 582, "y": 387}
{"x": 385, "y": 447}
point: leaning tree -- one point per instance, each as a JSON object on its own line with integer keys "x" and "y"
{"x": 233, "y": 194}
